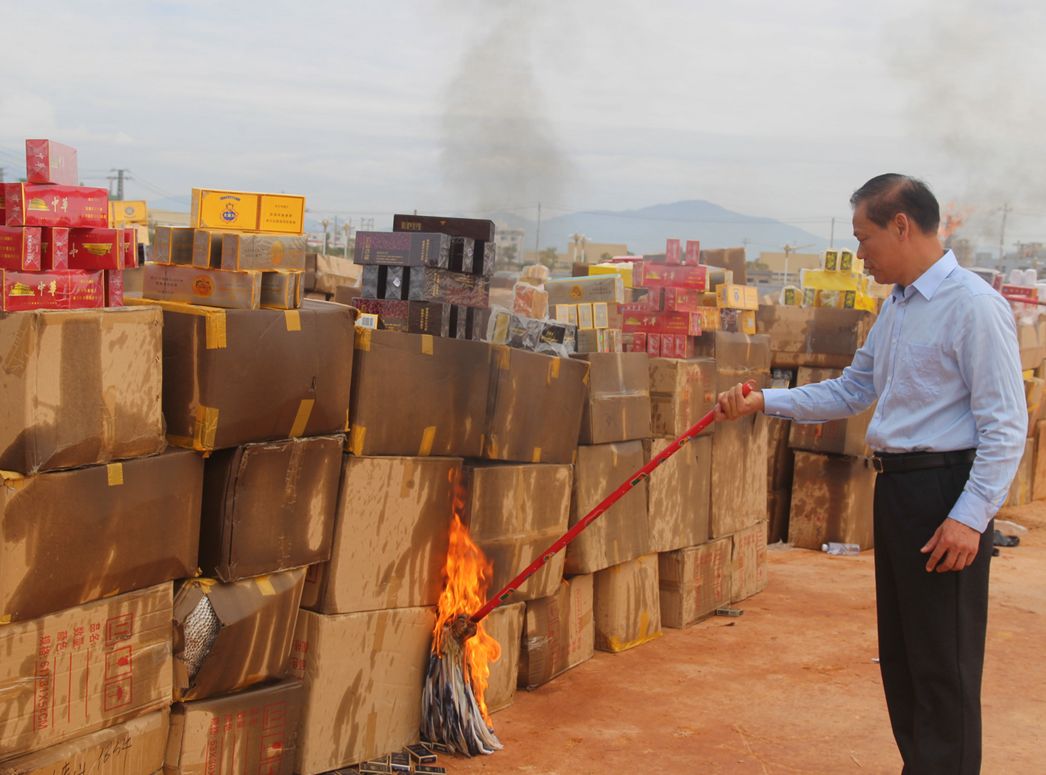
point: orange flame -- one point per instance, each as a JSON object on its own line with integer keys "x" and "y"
{"x": 467, "y": 575}
{"x": 954, "y": 218}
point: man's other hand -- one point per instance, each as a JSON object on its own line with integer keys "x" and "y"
{"x": 733, "y": 404}
{"x": 953, "y": 547}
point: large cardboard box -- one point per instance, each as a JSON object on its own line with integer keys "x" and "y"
{"x": 505, "y": 625}
{"x": 172, "y": 245}
{"x": 780, "y": 458}
{"x": 131, "y": 748}
{"x": 626, "y": 604}
{"x": 210, "y": 287}
{"x": 1021, "y": 487}
{"x": 363, "y": 676}
{"x": 678, "y": 495}
{"x": 255, "y": 731}
{"x": 840, "y": 437}
{"x": 69, "y": 537}
{"x": 416, "y": 394}
{"x": 84, "y": 669}
{"x": 535, "y": 406}
{"x": 694, "y": 582}
{"x": 231, "y": 377}
{"x": 618, "y": 403}
{"x": 231, "y": 636}
{"x": 623, "y": 532}
{"x": 391, "y": 535}
{"x": 748, "y": 571}
{"x": 514, "y": 513}
{"x": 558, "y": 632}
{"x": 1038, "y": 489}
{"x": 807, "y": 336}
{"x": 778, "y": 507}
{"x": 333, "y": 272}
{"x": 79, "y": 387}
{"x": 1031, "y": 340}
{"x": 269, "y": 506}
{"x": 831, "y": 501}
{"x": 263, "y": 251}
{"x": 681, "y": 393}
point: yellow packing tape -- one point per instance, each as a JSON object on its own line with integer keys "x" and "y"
{"x": 504, "y": 356}
{"x": 265, "y": 586}
{"x": 363, "y": 339}
{"x": 215, "y": 336}
{"x": 206, "y": 427}
{"x": 357, "y": 438}
{"x": 426, "y": 344}
{"x": 292, "y": 318}
{"x": 428, "y": 436}
{"x": 301, "y": 419}
{"x": 114, "y": 473}
{"x": 553, "y": 369}
{"x": 536, "y": 457}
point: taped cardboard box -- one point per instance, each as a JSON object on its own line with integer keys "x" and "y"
{"x": 270, "y": 506}
{"x": 363, "y": 675}
{"x": 79, "y": 387}
{"x": 86, "y": 668}
{"x": 558, "y": 632}
{"x": 131, "y": 748}
{"x": 333, "y": 272}
{"x": 1021, "y": 487}
{"x": 780, "y": 458}
{"x": 231, "y": 636}
{"x": 831, "y": 501}
{"x": 514, "y": 513}
{"x": 681, "y": 393}
{"x": 748, "y": 571}
{"x": 694, "y": 582}
{"x": 415, "y": 394}
{"x": 618, "y": 403}
{"x": 840, "y": 437}
{"x": 806, "y": 336}
{"x": 535, "y": 405}
{"x": 505, "y": 625}
{"x": 70, "y": 537}
{"x": 263, "y": 251}
{"x": 732, "y": 259}
{"x": 778, "y": 508}
{"x": 255, "y": 731}
{"x": 626, "y": 605}
{"x": 678, "y": 498}
{"x": 234, "y": 377}
{"x": 281, "y": 289}
{"x": 391, "y": 534}
{"x": 623, "y": 532}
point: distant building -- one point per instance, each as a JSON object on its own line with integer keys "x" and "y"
{"x": 510, "y": 250}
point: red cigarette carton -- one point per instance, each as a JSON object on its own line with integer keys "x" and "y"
{"x": 54, "y": 248}
{"x": 652, "y": 275}
{"x": 653, "y": 345}
{"x": 114, "y": 287}
{"x": 673, "y": 252}
{"x": 96, "y": 248}
{"x": 693, "y": 252}
{"x": 130, "y": 245}
{"x": 49, "y": 162}
{"x": 40, "y": 204}
{"x": 52, "y": 290}
{"x": 682, "y": 299}
{"x": 20, "y": 248}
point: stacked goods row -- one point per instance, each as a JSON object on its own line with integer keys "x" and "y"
{"x": 57, "y": 250}
{"x": 840, "y": 283}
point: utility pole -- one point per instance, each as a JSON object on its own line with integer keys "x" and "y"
{"x": 1, "y": 174}
{"x": 326, "y": 225}
{"x": 337, "y": 228}
{"x": 831, "y": 235}
{"x": 1002, "y": 231}
{"x": 537, "y": 236}
{"x": 120, "y": 177}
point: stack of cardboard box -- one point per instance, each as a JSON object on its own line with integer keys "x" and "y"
{"x": 57, "y": 250}
{"x": 592, "y": 304}
{"x": 242, "y": 251}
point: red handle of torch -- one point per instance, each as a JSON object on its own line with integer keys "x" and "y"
{"x": 598, "y": 511}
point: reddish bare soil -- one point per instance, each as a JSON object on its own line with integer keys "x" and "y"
{"x": 789, "y": 687}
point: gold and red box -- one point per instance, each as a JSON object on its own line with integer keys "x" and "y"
{"x": 44, "y": 204}
{"x": 49, "y": 162}
{"x": 681, "y": 299}
{"x": 54, "y": 248}
{"x": 692, "y": 255}
{"x": 673, "y": 252}
{"x": 68, "y": 289}
{"x": 649, "y": 274}
{"x": 97, "y": 248}
{"x": 114, "y": 287}
{"x": 20, "y": 248}
{"x": 130, "y": 245}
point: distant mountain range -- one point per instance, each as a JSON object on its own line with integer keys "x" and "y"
{"x": 645, "y": 230}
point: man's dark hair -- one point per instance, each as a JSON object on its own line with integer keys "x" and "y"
{"x": 886, "y": 195}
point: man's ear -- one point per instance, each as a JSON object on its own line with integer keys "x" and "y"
{"x": 902, "y": 223}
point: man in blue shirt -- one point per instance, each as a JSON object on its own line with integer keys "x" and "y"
{"x": 948, "y": 434}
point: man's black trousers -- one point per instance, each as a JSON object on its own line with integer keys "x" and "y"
{"x": 931, "y": 625}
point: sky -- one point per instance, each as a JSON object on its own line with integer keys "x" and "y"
{"x": 771, "y": 109}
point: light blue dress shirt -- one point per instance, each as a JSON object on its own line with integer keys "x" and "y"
{"x": 943, "y": 362}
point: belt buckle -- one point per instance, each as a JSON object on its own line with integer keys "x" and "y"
{"x": 877, "y": 464}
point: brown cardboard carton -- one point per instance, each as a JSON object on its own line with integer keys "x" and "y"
{"x": 806, "y": 336}
{"x": 840, "y": 437}
{"x": 263, "y": 251}
{"x": 748, "y": 573}
{"x": 678, "y": 495}
{"x": 79, "y": 387}
{"x": 1038, "y": 489}
{"x": 1021, "y": 487}
{"x": 281, "y": 290}
{"x": 535, "y": 404}
{"x": 780, "y": 459}
{"x": 333, "y": 272}
{"x": 193, "y": 285}
{"x": 111, "y": 529}
{"x": 732, "y": 259}
{"x": 231, "y": 377}
{"x": 84, "y": 669}
{"x": 255, "y": 731}
{"x": 558, "y": 632}
{"x": 681, "y": 393}
{"x": 172, "y": 245}
{"x": 391, "y": 534}
{"x": 831, "y": 501}
{"x": 206, "y": 249}
{"x": 623, "y": 532}
{"x": 778, "y": 506}
{"x": 626, "y": 604}
{"x": 618, "y": 404}
{"x": 416, "y": 394}
{"x": 1034, "y": 390}
{"x": 133, "y": 747}
{"x": 694, "y": 582}
{"x": 363, "y": 676}
{"x": 231, "y": 636}
{"x": 514, "y": 513}
{"x": 734, "y": 352}
{"x": 1032, "y": 345}
{"x": 505, "y": 625}
{"x": 269, "y": 506}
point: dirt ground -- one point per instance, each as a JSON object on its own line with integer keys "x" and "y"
{"x": 789, "y": 687}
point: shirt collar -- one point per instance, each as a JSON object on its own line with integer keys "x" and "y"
{"x": 929, "y": 281}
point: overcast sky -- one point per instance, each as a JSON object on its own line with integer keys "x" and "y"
{"x": 767, "y": 108}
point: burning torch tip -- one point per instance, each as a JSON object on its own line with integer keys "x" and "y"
{"x": 461, "y": 628}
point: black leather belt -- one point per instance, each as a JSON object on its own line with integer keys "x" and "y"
{"x": 895, "y": 463}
